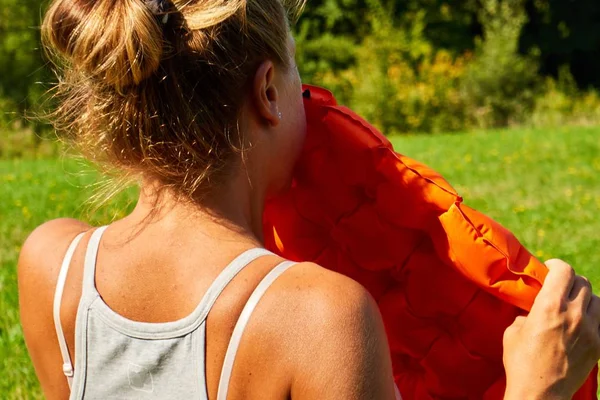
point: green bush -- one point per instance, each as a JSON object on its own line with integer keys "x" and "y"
{"x": 21, "y": 137}
{"x": 562, "y": 103}
{"x": 500, "y": 85}
{"x": 20, "y": 141}
{"x": 385, "y": 64}
{"x": 22, "y": 68}
{"x": 9, "y": 113}
{"x": 398, "y": 81}
{"x": 325, "y": 61}
{"x": 398, "y": 97}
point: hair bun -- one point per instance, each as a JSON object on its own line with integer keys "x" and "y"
{"x": 119, "y": 42}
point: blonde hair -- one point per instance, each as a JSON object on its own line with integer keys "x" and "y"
{"x": 161, "y": 99}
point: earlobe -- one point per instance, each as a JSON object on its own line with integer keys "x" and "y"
{"x": 265, "y": 94}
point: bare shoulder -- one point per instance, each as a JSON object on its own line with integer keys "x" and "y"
{"x": 327, "y": 294}
{"x": 326, "y": 304}
{"x": 336, "y": 334}
{"x": 40, "y": 260}
{"x": 53, "y": 232}
{"x": 41, "y": 257}
{"x": 46, "y": 245}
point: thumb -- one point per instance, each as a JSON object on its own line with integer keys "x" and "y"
{"x": 558, "y": 282}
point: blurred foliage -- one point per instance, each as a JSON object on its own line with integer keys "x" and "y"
{"x": 500, "y": 85}
{"x": 407, "y": 66}
{"x": 434, "y": 65}
{"x": 22, "y": 142}
{"x": 563, "y": 103}
{"x": 401, "y": 83}
{"x": 22, "y": 68}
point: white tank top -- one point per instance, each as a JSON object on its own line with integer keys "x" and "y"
{"x": 118, "y": 358}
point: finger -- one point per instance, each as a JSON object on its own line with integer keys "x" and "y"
{"x": 580, "y": 283}
{"x": 583, "y": 281}
{"x": 559, "y": 280}
{"x": 593, "y": 313}
{"x": 593, "y": 309}
{"x": 581, "y": 292}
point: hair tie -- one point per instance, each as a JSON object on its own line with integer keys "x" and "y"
{"x": 158, "y": 8}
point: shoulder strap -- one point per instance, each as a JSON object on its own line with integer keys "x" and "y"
{"x": 238, "y": 331}
{"x": 227, "y": 275}
{"x": 60, "y": 286}
{"x": 89, "y": 264}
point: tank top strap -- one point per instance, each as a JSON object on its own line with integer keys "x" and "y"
{"x": 227, "y": 275}
{"x": 89, "y": 263}
{"x": 60, "y": 286}
{"x": 240, "y": 326}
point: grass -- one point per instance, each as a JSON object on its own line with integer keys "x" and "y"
{"x": 544, "y": 185}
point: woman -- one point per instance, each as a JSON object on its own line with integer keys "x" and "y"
{"x": 200, "y": 101}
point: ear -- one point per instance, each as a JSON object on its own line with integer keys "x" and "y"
{"x": 265, "y": 94}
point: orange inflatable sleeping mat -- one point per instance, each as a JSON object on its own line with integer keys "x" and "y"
{"x": 448, "y": 280}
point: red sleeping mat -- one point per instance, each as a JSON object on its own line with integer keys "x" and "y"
{"x": 448, "y": 279}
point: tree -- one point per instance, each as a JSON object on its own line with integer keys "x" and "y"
{"x": 21, "y": 63}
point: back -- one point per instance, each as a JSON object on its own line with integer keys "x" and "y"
{"x": 140, "y": 360}
{"x": 170, "y": 359}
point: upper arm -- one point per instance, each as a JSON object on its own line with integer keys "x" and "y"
{"x": 39, "y": 264}
{"x": 343, "y": 349}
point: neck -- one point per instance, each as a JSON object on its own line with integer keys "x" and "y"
{"x": 232, "y": 211}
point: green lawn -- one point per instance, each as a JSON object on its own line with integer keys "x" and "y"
{"x": 544, "y": 185}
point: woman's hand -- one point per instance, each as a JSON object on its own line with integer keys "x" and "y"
{"x": 549, "y": 353}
